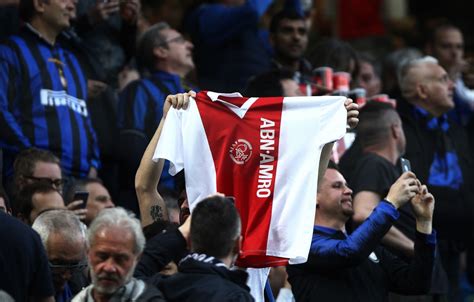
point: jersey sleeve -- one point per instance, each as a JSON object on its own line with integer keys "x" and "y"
{"x": 333, "y": 119}
{"x": 170, "y": 143}
{"x": 11, "y": 136}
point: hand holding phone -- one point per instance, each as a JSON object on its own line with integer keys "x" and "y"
{"x": 405, "y": 163}
{"x": 81, "y": 195}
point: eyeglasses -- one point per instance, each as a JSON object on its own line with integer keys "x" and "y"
{"x": 178, "y": 39}
{"x": 53, "y": 182}
{"x": 63, "y": 267}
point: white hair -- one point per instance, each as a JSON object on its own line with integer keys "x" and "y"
{"x": 408, "y": 78}
{"x": 120, "y": 218}
{"x": 59, "y": 221}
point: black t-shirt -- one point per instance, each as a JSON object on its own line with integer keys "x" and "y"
{"x": 24, "y": 270}
{"x": 376, "y": 174}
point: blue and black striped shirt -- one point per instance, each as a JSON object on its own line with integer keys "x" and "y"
{"x": 141, "y": 109}
{"x": 43, "y": 93}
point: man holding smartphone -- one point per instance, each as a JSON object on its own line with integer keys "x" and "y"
{"x": 383, "y": 143}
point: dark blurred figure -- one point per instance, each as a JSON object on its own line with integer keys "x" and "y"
{"x": 391, "y": 69}
{"x": 369, "y": 75}
{"x": 289, "y": 39}
{"x": 228, "y": 42}
{"x": 167, "y": 57}
{"x": 446, "y": 43}
{"x": 440, "y": 156}
{"x": 279, "y": 82}
{"x": 9, "y": 19}
{"x": 5, "y": 202}
{"x": 337, "y": 54}
{"x": 24, "y": 270}
{"x": 169, "y": 11}
{"x": 108, "y": 30}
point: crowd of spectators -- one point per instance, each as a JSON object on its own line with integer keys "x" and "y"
{"x": 87, "y": 213}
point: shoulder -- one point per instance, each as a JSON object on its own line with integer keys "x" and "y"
{"x": 151, "y": 293}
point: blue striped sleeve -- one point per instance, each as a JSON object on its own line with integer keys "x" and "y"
{"x": 11, "y": 135}
{"x": 133, "y": 105}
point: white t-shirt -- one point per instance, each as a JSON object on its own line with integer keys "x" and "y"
{"x": 263, "y": 151}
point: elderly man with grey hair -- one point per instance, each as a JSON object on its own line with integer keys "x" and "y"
{"x": 115, "y": 242}
{"x": 166, "y": 57}
{"x": 440, "y": 156}
{"x": 64, "y": 238}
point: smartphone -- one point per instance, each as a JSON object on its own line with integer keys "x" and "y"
{"x": 405, "y": 163}
{"x": 81, "y": 195}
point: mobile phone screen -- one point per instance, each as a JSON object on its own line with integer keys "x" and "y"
{"x": 405, "y": 163}
{"x": 81, "y": 196}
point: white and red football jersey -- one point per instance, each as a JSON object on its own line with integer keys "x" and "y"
{"x": 263, "y": 151}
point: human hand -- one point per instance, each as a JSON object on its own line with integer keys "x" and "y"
{"x": 76, "y": 208}
{"x": 102, "y": 10}
{"x": 423, "y": 205}
{"x": 468, "y": 73}
{"x": 177, "y": 101}
{"x": 95, "y": 88}
{"x": 129, "y": 11}
{"x": 352, "y": 113}
{"x": 403, "y": 190}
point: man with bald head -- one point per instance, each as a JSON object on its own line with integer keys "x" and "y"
{"x": 440, "y": 156}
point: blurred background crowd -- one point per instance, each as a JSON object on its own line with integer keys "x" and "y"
{"x": 83, "y": 85}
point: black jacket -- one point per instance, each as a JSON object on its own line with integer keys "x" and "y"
{"x": 202, "y": 278}
{"x": 454, "y": 211}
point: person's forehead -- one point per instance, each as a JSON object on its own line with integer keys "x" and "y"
{"x": 114, "y": 240}
{"x": 46, "y": 169}
{"x": 294, "y": 23}
{"x": 66, "y": 247}
{"x": 332, "y": 175}
{"x": 96, "y": 188}
{"x": 170, "y": 33}
{"x": 449, "y": 35}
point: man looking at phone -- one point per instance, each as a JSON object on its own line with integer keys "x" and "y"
{"x": 94, "y": 195}
{"x": 383, "y": 143}
{"x": 64, "y": 239}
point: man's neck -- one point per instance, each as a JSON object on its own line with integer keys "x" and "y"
{"x": 330, "y": 223}
{"x": 169, "y": 69}
{"x": 100, "y": 297}
{"x": 388, "y": 152}
{"x": 44, "y": 30}
{"x": 290, "y": 64}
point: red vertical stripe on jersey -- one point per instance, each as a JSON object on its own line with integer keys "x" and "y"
{"x": 245, "y": 153}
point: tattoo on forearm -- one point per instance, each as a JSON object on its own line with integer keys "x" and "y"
{"x": 156, "y": 213}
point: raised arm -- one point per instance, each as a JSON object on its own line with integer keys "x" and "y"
{"x": 151, "y": 203}
{"x": 331, "y": 252}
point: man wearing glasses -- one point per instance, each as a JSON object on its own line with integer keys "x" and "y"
{"x": 36, "y": 165}
{"x": 63, "y": 237}
{"x": 167, "y": 57}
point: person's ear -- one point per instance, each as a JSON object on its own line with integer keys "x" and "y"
{"x": 39, "y": 5}
{"x": 422, "y": 91}
{"x": 237, "y": 245}
{"x": 160, "y": 52}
